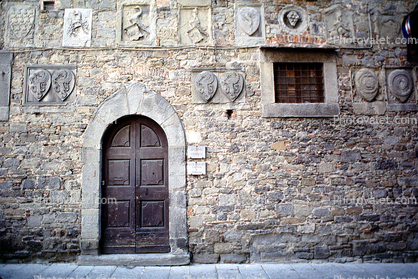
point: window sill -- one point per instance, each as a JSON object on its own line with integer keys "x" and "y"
{"x": 301, "y": 110}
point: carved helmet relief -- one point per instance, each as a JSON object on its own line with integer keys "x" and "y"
{"x": 367, "y": 84}
{"x": 206, "y": 85}
{"x": 63, "y": 82}
{"x": 232, "y": 85}
{"x": 39, "y": 83}
{"x": 249, "y": 20}
{"x": 400, "y": 84}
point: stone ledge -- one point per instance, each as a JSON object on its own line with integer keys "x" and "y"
{"x": 135, "y": 259}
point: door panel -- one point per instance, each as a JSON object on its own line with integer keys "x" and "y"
{"x": 135, "y": 174}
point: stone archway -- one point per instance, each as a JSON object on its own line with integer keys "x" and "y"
{"x": 134, "y": 99}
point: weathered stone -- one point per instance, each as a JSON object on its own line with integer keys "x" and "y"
{"x": 50, "y": 183}
{"x": 284, "y": 210}
{"x": 350, "y": 155}
{"x": 28, "y": 184}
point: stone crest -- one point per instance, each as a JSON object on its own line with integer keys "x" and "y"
{"x": 249, "y": 24}
{"x": 45, "y": 84}
{"x": 21, "y": 24}
{"x": 232, "y": 85}
{"x": 249, "y": 20}
{"x": 339, "y": 26}
{"x": 136, "y": 22}
{"x": 389, "y": 28}
{"x": 400, "y": 84}
{"x": 367, "y": 84}
{"x": 206, "y": 85}
{"x": 39, "y": 83}
{"x": 63, "y": 82}
{"x": 77, "y": 28}
{"x": 293, "y": 19}
{"x": 194, "y": 25}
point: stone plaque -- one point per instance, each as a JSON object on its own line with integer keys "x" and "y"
{"x": 293, "y": 19}
{"x": 49, "y": 84}
{"x": 6, "y": 59}
{"x": 401, "y": 92}
{"x": 390, "y": 28}
{"x": 367, "y": 84}
{"x": 249, "y": 25}
{"x": 196, "y": 152}
{"x": 195, "y": 27}
{"x": 339, "y": 26}
{"x": 21, "y": 24}
{"x": 137, "y": 22}
{"x": 206, "y": 85}
{"x": 232, "y": 85}
{"x": 218, "y": 86}
{"x": 77, "y": 28}
{"x": 196, "y": 168}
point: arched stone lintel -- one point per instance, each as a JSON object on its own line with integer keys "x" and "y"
{"x": 134, "y": 99}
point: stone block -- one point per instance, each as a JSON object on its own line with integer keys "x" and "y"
{"x": 34, "y": 221}
{"x": 205, "y": 258}
{"x": 223, "y": 248}
{"x": 321, "y": 252}
{"x": 285, "y": 209}
{"x": 361, "y": 247}
{"x": 49, "y": 183}
{"x": 5, "y": 185}
{"x": 321, "y": 212}
{"x": 66, "y": 217}
{"x": 28, "y": 184}
{"x": 350, "y": 156}
{"x": 233, "y": 258}
{"x": 326, "y": 167}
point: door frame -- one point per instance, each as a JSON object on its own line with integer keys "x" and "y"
{"x": 134, "y": 99}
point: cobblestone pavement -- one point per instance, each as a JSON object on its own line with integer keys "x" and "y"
{"x": 301, "y": 270}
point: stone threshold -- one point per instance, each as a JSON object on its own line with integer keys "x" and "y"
{"x": 135, "y": 259}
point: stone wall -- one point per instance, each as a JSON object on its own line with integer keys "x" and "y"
{"x": 276, "y": 189}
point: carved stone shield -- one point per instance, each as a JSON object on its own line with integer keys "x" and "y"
{"x": 63, "y": 82}
{"x": 206, "y": 84}
{"x": 367, "y": 84}
{"x": 249, "y": 20}
{"x": 232, "y": 85}
{"x": 39, "y": 83}
{"x": 400, "y": 84}
{"x": 21, "y": 22}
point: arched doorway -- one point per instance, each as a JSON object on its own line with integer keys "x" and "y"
{"x": 133, "y": 100}
{"x": 135, "y": 215}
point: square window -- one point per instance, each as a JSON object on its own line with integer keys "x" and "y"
{"x": 298, "y": 83}
{"x": 48, "y": 5}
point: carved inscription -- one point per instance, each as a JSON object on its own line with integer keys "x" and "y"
{"x": 400, "y": 84}
{"x": 367, "y": 84}
{"x": 232, "y": 84}
{"x": 206, "y": 85}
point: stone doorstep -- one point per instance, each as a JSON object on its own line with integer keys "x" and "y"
{"x": 134, "y": 260}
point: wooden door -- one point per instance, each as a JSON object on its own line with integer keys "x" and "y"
{"x": 135, "y": 175}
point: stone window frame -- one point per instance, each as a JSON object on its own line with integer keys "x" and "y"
{"x": 327, "y": 56}
{"x": 134, "y": 99}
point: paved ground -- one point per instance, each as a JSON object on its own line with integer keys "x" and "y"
{"x": 195, "y": 271}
